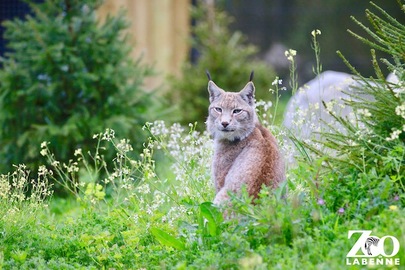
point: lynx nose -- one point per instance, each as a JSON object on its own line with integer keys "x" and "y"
{"x": 225, "y": 124}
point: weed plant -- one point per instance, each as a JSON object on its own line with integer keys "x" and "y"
{"x": 371, "y": 140}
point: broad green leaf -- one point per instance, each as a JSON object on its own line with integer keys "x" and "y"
{"x": 213, "y": 217}
{"x": 168, "y": 240}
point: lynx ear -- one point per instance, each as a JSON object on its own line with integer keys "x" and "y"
{"x": 248, "y": 93}
{"x": 214, "y": 91}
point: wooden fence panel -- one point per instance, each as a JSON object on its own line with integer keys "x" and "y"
{"x": 159, "y": 31}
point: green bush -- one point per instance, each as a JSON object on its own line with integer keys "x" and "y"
{"x": 67, "y": 76}
{"x": 227, "y": 56}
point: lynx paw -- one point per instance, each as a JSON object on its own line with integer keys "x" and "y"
{"x": 221, "y": 197}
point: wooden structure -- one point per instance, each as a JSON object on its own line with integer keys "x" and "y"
{"x": 159, "y": 31}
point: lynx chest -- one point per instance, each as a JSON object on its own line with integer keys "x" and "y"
{"x": 225, "y": 155}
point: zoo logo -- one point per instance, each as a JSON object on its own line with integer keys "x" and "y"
{"x": 371, "y": 241}
{"x": 372, "y": 246}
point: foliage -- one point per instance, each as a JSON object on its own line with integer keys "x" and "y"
{"x": 332, "y": 18}
{"x": 227, "y": 56}
{"x": 68, "y": 76}
{"x": 376, "y": 130}
{"x": 21, "y": 199}
{"x": 144, "y": 222}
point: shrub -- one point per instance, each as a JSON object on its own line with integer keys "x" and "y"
{"x": 67, "y": 76}
{"x": 227, "y": 56}
{"x": 377, "y": 130}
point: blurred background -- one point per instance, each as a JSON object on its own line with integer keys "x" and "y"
{"x": 279, "y": 24}
{"x": 160, "y": 30}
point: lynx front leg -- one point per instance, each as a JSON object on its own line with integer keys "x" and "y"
{"x": 246, "y": 170}
{"x": 221, "y": 197}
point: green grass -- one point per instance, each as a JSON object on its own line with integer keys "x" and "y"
{"x": 165, "y": 221}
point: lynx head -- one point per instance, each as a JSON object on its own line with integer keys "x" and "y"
{"x": 232, "y": 115}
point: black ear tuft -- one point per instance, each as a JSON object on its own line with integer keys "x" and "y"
{"x": 251, "y": 75}
{"x": 208, "y": 75}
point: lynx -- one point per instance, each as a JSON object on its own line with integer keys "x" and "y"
{"x": 245, "y": 153}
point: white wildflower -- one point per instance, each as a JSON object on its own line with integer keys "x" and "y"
{"x": 124, "y": 146}
{"x": 329, "y": 106}
{"x": 400, "y": 110}
{"x": 108, "y": 135}
{"x": 144, "y": 189}
{"x": 55, "y": 163}
{"x": 290, "y": 54}
{"x": 277, "y": 81}
{"x": 364, "y": 112}
{"x": 43, "y": 152}
{"x": 78, "y": 152}
{"x": 42, "y": 170}
{"x": 316, "y": 32}
{"x": 394, "y": 135}
{"x": 135, "y": 217}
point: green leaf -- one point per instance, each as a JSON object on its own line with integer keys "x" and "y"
{"x": 212, "y": 216}
{"x": 168, "y": 240}
{"x": 281, "y": 190}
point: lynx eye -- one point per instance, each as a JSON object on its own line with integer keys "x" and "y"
{"x": 217, "y": 109}
{"x": 236, "y": 111}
